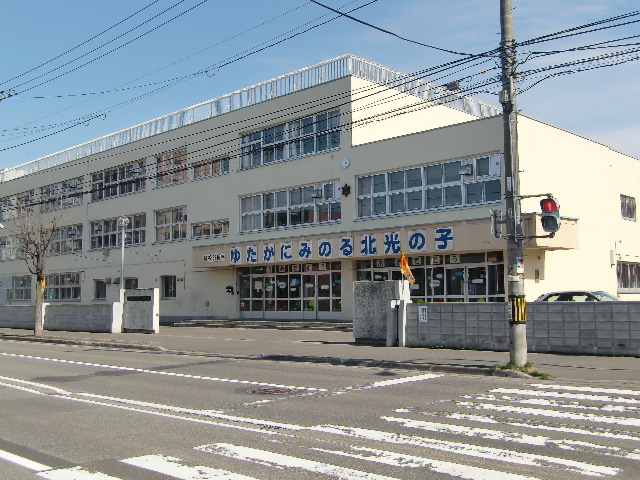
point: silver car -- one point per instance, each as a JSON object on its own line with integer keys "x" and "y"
{"x": 578, "y": 296}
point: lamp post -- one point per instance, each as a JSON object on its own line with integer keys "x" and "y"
{"x": 122, "y": 222}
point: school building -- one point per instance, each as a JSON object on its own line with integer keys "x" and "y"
{"x": 270, "y": 201}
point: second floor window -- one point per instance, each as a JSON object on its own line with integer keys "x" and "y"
{"x": 171, "y": 224}
{"x": 465, "y": 182}
{"x": 308, "y": 205}
{"x": 210, "y": 168}
{"x": 67, "y": 240}
{"x": 628, "y": 207}
{"x": 108, "y": 234}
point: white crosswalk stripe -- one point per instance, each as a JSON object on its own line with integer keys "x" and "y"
{"x": 583, "y": 430}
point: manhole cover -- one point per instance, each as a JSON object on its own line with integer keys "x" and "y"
{"x": 272, "y": 391}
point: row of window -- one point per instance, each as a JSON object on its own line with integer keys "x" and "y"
{"x": 170, "y": 225}
{"x": 308, "y": 205}
{"x": 305, "y": 136}
{"x": 457, "y": 183}
{"x": 117, "y": 181}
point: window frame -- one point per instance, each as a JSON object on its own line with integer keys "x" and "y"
{"x": 628, "y": 207}
{"x": 177, "y": 223}
{"x": 441, "y": 186}
{"x": 310, "y": 135}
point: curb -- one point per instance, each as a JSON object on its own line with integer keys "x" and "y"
{"x": 349, "y": 362}
{"x": 73, "y": 341}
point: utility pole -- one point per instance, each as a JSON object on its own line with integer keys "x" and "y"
{"x": 515, "y": 258}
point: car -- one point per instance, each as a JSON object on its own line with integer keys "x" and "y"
{"x": 578, "y": 296}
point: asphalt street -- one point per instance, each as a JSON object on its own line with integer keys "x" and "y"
{"x": 94, "y": 408}
{"x": 338, "y": 347}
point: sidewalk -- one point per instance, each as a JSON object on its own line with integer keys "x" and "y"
{"x": 339, "y": 347}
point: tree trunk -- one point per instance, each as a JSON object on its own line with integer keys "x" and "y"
{"x": 37, "y": 330}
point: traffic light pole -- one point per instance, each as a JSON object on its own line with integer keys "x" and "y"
{"x": 515, "y": 258}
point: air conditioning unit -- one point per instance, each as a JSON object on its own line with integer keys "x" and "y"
{"x": 107, "y": 281}
{"x": 115, "y": 280}
{"x": 317, "y": 193}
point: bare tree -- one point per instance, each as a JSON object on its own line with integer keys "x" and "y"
{"x": 35, "y": 234}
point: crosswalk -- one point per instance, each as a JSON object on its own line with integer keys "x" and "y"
{"x": 538, "y": 431}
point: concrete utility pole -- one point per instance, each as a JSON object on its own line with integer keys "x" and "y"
{"x": 515, "y": 259}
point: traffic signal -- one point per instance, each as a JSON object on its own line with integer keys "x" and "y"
{"x": 550, "y": 214}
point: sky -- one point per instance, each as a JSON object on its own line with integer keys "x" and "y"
{"x": 76, "y": 70}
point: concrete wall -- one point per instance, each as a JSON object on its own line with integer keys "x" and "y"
{"x": 81, "y": 318}
{"x": 590, "y": 328}
{"x": 18, "y": 316}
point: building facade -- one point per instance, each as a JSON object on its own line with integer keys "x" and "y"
{"x": 269, "y": 202}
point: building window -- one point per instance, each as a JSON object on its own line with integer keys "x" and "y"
{"x": 20, "y": 288}
{"x": 168, "y": 285}
{"x": 308, "y": 205}
{"x": 628, "y": 277}
{"x": 7, "y": 208}
{"x": 108, "y": 234}
{"x": 210, "y": 168}
{"x": 61, "y": 195}
{"x": 129, "y": 178}
{"x": 465, "y": 182}
{"x": 305, "y": 136}
{"x": 209, "y": 229}
{"x": 130, "y": 283}
{"x": 62, "y": 286}
{"x": 67, "y": 240}
{"x": 628, "y": 207}
{"x": 171, "y": 167}
{"x": 100, "y": 289}
{"x": 171, "y": 224}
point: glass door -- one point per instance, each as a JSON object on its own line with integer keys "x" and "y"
{"x": 455, "y": 284}
{"x": 309, "y": 296}
{"x": 477, "y": 284}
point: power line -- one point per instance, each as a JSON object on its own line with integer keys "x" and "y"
{"x": 79, "y": 45}
{"x": 110, "y": 51}
{"x": 387, "y": 31}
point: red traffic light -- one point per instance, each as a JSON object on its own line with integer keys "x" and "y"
{"x": 550, "y": 215}
{"x": 549, "y": 205}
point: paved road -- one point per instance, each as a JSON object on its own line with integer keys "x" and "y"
{"x": 87, "y": 412}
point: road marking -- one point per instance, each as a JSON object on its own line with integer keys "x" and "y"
{"x": 588, "y": 417}
{"x": 156, "y": 372}
{"x": 539, "y": 425}
{"x": 573, "y": 396}
{"x": 23, "y": 462}
{"x": 170, "y": 466}
{"x": 486, "y": 433}
{"x": 497, "y": 454}
{"x": 278, "y": 460}
{"x": 438, "y": 466}
{"x": 398, "y": 381}
{"x": 611, "y": 391}
{"x": 75, "y": 473}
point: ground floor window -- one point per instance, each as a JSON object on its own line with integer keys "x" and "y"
{"x": 628, "y": 276}
{"x": 100, "y": 289}
{"x": 466, "y": 277}
{"x": 311, "y": 288}
{"x": 130, "y": 283}
{"x": 168, "y": 286}
{"x": 62, "y": 286}
{"x": 20, "y": 288}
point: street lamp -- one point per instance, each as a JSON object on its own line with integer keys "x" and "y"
{"x": 122, "y": 222}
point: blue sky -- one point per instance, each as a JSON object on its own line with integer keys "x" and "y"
{"x": 39, "y": 37}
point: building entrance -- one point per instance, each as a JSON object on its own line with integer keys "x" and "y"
{"x": 309, "y": 291}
